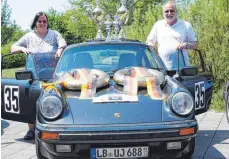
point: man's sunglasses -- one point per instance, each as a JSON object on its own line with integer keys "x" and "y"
{"x": 40, "y": 21}
{"x": 171, "y": 11}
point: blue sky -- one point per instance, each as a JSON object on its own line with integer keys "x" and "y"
{"x": 23, "y": 11}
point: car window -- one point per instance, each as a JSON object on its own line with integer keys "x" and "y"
{"x": 43, "y": 63}
{"x": 30, "y": 65}
{"x": 107, "y": 57}
{"x": 175, "y": 56}
{"x": 195, "y": 60}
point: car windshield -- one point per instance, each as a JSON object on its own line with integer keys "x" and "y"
{"x": 107, "y": 57}
{"x": 42, "y": 64}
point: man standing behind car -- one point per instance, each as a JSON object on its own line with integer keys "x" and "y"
{"x": 170, "y": 34}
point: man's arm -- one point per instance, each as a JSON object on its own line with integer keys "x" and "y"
{"x": 151, "y": 43}
{"x": 192, "y": 45}
{"x": 189, "y": 45}
{"x": 192, "y": 42}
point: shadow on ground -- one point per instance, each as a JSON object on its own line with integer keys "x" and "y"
{"x": 4, "y": 124}
{"x": 25, "y": 141}
{"x": 212, "y": 144}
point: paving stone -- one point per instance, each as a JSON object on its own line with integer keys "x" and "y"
{"x": 7, "y": 152}
{"x": 202, "y": 143}
{"x": 223, "y": 127}
{"x": 216, "y": 153}
{"x": 222, "y": 134}
{"x": 214, "y": 113}
{"x": 203, "y": 126}
{"x": 212, "y": 141}
{"x": 6, "y": 142}
{"x": 213, "y": 158}
{"x": 18, "y": 146}
{"x": 198, "y": 153}
{"x": 219, "y": 148}
{"x": 12, "y": 133}
{"x": 221, "y": 140}
{"x": 224, "y": 119}
{"x": 200, "y": 117}
{"x": 194, "y": 157}
{"x": 27, "y": 152}
{"x": 17, "y": 156}
{"x": 211, "y": 122}
{"x": 206, "y": 133}
{"x": 32, "y": 147}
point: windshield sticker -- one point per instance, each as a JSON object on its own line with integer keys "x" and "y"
{"x": 130, "y": 86}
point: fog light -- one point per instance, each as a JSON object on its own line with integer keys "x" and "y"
{"x": 63, "y": 148}
{"x": 173, "y": 145}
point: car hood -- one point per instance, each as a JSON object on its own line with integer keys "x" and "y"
{"x": 144, "y": 110}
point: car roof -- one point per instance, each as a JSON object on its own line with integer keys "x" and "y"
{"x": 97, "y": 42}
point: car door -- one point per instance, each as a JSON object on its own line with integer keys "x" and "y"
{"x": 18, "y": 96}
{"x": 199, "y": 85}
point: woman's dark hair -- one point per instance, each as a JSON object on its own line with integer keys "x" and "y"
{"x": 37, "y": 17}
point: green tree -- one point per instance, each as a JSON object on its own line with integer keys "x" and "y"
{"x": 73, "y": 24}
{"x": 210, "y": 21}
{"x": 7, "y": 26}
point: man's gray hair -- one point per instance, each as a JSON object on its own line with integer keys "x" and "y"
{"x": 170, "y": 2}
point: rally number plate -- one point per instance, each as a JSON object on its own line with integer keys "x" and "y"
{"x": 126, "y": 152}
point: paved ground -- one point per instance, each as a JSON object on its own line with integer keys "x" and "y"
{"x": 212, "y": 141}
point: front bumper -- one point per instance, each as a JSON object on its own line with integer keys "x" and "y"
{"x": 82, "y": 141}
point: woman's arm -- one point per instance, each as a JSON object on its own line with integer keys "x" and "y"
{"x": 59, "y": 52}
{"x": 21, "y": 45}
{"x": 17, "y": 49}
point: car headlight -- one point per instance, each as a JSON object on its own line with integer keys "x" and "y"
{"x": 51, "y": 107}
{"x": 182, "y": 103}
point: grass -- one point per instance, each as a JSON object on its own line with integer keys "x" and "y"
{"x": 218, "y": 103}
{"x": 10, "y": 73}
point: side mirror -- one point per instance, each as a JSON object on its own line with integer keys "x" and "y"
{"x": 188, "y": 71}
{"x": 24, "y": 75}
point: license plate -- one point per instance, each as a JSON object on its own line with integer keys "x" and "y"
{"x": 125, "y": 152}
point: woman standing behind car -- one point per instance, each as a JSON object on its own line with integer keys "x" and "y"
{"x": 40, "y": 39}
